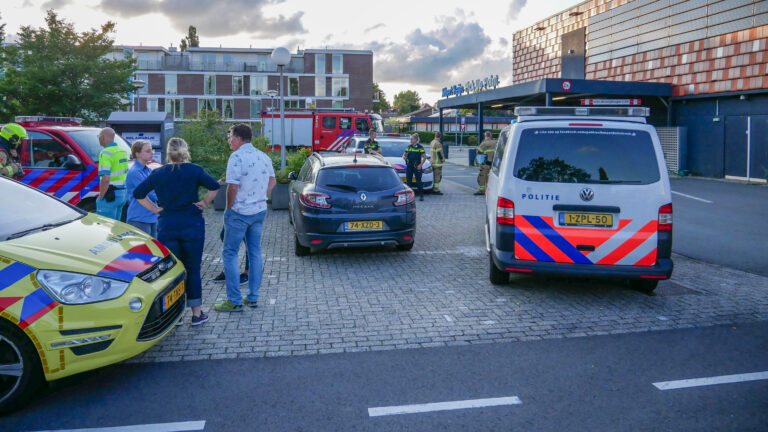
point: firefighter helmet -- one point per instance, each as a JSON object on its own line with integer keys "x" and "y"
{"x": 13, "y": 133}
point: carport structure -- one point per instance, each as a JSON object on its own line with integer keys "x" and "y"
{"x": 564, "y": 92}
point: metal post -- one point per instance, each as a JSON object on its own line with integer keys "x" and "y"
{"x": 549, "y": 99}
{"x": 480, "y": 125}
{"x": 282, "y": 122}
{"x": 749, "y": 147}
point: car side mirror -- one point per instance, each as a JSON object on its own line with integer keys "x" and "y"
{"x": 73, "y": 163}
{"x": 292, "y": 175}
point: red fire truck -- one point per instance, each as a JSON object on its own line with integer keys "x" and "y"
{"x": 319, "y": 130}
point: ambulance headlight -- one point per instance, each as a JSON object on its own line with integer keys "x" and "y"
{"x": 76, "y": 288}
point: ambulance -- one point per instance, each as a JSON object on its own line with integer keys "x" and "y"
{"x": 319, "y": 130}
{"x": 580, "y": 191}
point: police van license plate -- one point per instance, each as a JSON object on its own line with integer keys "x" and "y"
{"x": 173, "y": 296}
{"x": 363, "y": 225}
{"x": 586, "y": 219}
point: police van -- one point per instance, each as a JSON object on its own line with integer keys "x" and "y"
{"x": 580, "y": 191}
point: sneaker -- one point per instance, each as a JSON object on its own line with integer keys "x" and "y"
{"x": 250, "y": 303}
{"x": 228, "y": 306}
{"x": 180, "y": 321}
{"x": 219, "y": 278}
{"x": 243, "y": 278}
{"x": 199, "y": 320}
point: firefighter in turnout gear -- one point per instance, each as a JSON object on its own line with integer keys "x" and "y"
{"x": 10, "y": 138}
{"x": 436, "y": 159}
{"x": 484, "y": 158}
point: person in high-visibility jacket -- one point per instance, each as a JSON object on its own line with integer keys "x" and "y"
{"x": 436, "y": 159}
{"x": 113, "y": 170}
{"x": 484, "y": 158}
{"x": 10, "y": 138}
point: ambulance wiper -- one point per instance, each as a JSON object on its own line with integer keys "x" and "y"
{"x": 40, "y": 228}
{"x": 341, "y": 186}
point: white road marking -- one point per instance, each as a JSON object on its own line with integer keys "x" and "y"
{"x": 489, "y": 322}
{"x": 156, "y": 427}
{"x": 692, "y": 197}
{"x": 272, "y": 301}
{"x": 443, "y": 406}
{"x": 448, "y": 318}
{"x": 723, "y": 379}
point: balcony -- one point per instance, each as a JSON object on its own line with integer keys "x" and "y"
{"x": 182, "y": 63}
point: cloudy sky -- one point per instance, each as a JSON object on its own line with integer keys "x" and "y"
{"x": 421, "y": 45}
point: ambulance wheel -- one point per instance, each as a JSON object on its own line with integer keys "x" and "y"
{"x": 644, "y": 285}
{"x": 20, "y": 370}
{"x": 300, "y": 250}
{"x": 495, "y": 274}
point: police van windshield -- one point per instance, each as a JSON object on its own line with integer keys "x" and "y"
{"x": 586, "y": 155}
{"x": 88, "y": 140}
{"x": 33, "y": 211}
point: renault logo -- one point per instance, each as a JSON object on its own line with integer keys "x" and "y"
{"x": 363, "y": 197}
{"x": 587, "y": 194}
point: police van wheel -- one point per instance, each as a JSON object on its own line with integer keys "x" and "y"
{"x": 495, "y": 274}
{"x": 20, "y": 370}
{"x": 644, "y": 285}
{"x": 300, "y": 250}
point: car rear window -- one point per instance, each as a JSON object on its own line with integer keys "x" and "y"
{"x": 586, "y": 155}
{"x": 370, "y": 179}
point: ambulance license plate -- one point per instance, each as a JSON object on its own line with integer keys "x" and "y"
{"x": 173, "y": 296}
{"x": 363, "y": 225}
{"x": 586, "y": 219}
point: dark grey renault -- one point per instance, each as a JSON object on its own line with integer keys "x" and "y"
{"x": 348, "y": 200}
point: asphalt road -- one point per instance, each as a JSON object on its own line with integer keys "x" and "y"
{"x": 724, "y": 223}
{"x": 595, "y": 383}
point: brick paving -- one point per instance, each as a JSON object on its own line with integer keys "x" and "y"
{"x": 437, "y": 295}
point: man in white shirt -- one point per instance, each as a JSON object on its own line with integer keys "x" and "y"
{"x": 250, "y": 179}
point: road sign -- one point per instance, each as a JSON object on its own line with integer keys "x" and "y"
{"x": 463, "y": 125}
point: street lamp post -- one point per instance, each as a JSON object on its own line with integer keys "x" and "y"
{"x": 272, "y": 94}
{"x": 281, "y": 57}
{"x": 138, "y": 85}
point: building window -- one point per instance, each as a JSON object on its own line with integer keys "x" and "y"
{"x": 340, "y": 87}
{"x": 293, "y": 86}
{"x": 261, "y": 63}
{"x": 209, "y": 85}
{"x": 237, "y": 85}
{"x": 228, "y": 108}
{"x": 151, "y": 105}
{"x": 337, "y": 104}
{"x": 144, "y": 62}
{"x": 228, "y": 60}
{"x": 319, "y": 63}
{"x": 175, "y": 107}
{"x": 209, "y": 61}
{"x": 206, "y": 104}
{"x": 145, "y": 78}
{"x": 292, "y": 104}
{"x": 338, "y": 64}
{"x": 258, "y": 86}
{"x": 171, "y": 84}
{"x": 255, "y": 108}
{"x": 320, "y": 86}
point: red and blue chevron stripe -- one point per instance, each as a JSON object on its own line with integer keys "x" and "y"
{"x": 342, "y": 140}
{"x": 35, "y": 305}
{"x": 131, "y": 263}
{"x": 67, "y": 185}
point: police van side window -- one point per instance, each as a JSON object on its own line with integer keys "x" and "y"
{"x": 499, "y": 153}
{"x": 46, "y": 151}
{"x": 329, "y": 122}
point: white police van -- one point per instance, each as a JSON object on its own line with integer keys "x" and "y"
{"x": 580, "y": 191}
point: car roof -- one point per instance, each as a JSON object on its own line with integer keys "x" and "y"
{"x": 60, "y": 128}
{"x": 339, "y": 159}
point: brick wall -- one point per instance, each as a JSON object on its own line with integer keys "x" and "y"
{"x": 190, "y": 84}
{"x": 360, "y": 70}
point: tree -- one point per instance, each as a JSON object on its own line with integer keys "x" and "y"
{"x": 407, "y": 101}
{"x": 191, "y": 39}
{"x": 57, "y": 71}
{"x": 382, "y": 104}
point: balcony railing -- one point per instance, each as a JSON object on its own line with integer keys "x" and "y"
{"x": 182, "y": 63}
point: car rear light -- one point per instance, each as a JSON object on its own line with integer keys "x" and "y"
{"x": 404, "y": 197}
{"x": 665, "y": 217}
{"x": 407, "y": 237}
{"x": 315, "y": 199}
{"x": 315, "y": 241}
{"x": 505, "y": 212}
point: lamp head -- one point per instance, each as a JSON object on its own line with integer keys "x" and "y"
{"x": 281, "y": 56}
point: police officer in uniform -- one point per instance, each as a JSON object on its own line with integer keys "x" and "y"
{"x": 113, "y": 170}
{"x": 436, "y": 159}
{"x": 371, "y": 145}
{"x": 10, "y": 138}
{"x": 415, "y": 156}
{"x": 486, "y": 149}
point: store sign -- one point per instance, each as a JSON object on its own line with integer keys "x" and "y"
{"x": 610, "y": 101}
{"x": 472, "y": 86}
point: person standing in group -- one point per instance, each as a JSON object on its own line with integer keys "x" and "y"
{"x": 113, "y": 169}
{"x": 436, "y": 159}
{"x": 415, "y": 156}
{"x": 181, "y": 226}
{"x": 484, "y": 158}
{"x": 250, "y": 178}
{"x": 371, "y": 145}
{"x": 138, "y": 215}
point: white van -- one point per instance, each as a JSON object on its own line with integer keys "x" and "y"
{"x": 580, "y": 191}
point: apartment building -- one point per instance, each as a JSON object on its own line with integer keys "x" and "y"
{"x": 237, "y": 81}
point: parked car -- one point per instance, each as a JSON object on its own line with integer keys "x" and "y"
{"x": 345, "y": 200}
{"x": 580, "y": 191}
{"x": 392, "y": 148}
{"x": 78, "y": 291}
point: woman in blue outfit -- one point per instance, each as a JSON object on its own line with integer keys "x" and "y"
{"x": 138, "y": 215}
{"x": 181, "y": 226}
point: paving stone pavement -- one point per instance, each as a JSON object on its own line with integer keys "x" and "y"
{"x": 436, "y": 295}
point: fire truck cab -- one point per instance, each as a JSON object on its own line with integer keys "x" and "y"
{"x": 319, "y": 130}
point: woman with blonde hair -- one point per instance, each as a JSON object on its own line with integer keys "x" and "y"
{"x": 181, "y": 226}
